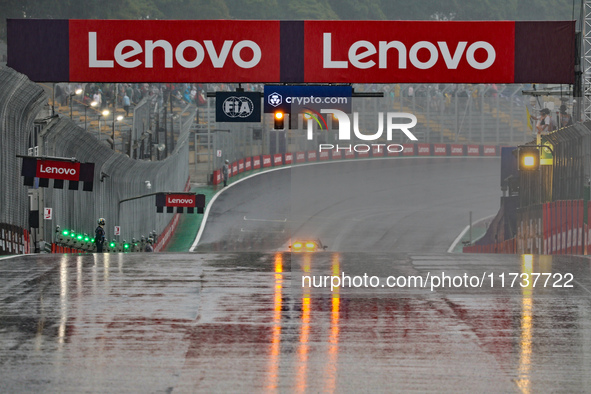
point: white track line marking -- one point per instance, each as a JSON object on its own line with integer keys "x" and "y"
{"x": 457, "y": 240}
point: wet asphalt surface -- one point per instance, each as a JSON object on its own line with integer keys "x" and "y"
{"x": 391, "y": 205}
{"x": 247, "y": 322}
{"x": 241, "y": 322}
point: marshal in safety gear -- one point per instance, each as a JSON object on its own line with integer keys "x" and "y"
{"x": 101, "y": 221}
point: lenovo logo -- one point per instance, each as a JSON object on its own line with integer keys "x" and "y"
{"x": 57, "y": 170}
{"x": 364, "y": 54}
{"x": 187, "y": 54}
{"x": 180, "y": 201}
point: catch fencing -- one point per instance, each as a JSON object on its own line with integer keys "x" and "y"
{"x": 116, "y": 177}
{"x": 20, "y": 101}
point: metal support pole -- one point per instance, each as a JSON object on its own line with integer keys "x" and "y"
{"x": 470, "y": 229}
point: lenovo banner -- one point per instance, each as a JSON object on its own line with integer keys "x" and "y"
{"x": 292, "y": 51}
{"x": 64, "y": 170}
{"x": 59, "y": 170}
{"x": 180, "y": 201}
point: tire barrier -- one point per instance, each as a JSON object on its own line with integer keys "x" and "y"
{"x": 419, "y": 149}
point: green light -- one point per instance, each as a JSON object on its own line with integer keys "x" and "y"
{"x": 73, "y": 235}
{"x": 92, "y": 240}
{"x": 112, "y": 244}
{"x": 126, "y": 246}
{"x": 79, "y": 237}
{"x": 86, "y": 239}
{"x": 65, "y": 232}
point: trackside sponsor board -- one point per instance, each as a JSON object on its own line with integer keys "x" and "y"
{"x": 240, "y": 165}
{"x": 311, "y": 155}
{"x": 292, "y": 51}
{"x": 363, "y": 153}
{"x": 349, "y": 154}
{"x": 424, "y": 149}
{"x": 234, "y": 168}
{"x": 267, "y": 161}
{"x": 322, "y": 156}
{"x": 377, "y": 151}
{"x": 337, "y": 155}
{"x": 217, "y": 177}
{"x": 180, "y": 200}
{"x": 278, "y": 159}
{"x": 456, "y": 150}
{"x": 439, "y": 150}
{"x": 288, "y": 158}
{"x": 256, "y": 162}
{"x": 409, "y": 150}
{"x": 489, "y": 150}
{"x": 248, "y": 164}
{"x": 300, "y": 157}
{"x": 473, "y": 150}
{"x": 53, "y": 169}
{"x": 393, "y": 153}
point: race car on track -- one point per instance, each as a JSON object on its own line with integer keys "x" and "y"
{"x": 307, "y": 246}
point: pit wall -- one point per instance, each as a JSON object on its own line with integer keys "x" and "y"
{"x": 426, "y": 150}
{"x": 559, "y": 227}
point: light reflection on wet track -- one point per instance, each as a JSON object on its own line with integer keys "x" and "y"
{"x": 236, "y": 322}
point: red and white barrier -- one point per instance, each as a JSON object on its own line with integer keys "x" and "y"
{"x": 489, "y": 150}
{"x": 440, "y": 150}
{"x": 256, "y": 162}
{"x": 473, "y": 150}
{"x": 424, "y": 149}
{"x": 409, "y": 150}
{"x": 277, "y": 159}
{"x": 456, "y": 150}
{"x": 300, "y": 157}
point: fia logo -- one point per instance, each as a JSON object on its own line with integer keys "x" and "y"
{"x": 238, "y": 107}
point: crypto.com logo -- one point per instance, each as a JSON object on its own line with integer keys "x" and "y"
{"x": 344, "y": 133}
{"x": 275, "y": 99}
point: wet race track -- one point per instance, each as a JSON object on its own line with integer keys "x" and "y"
{"x": 242, "y": 321}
